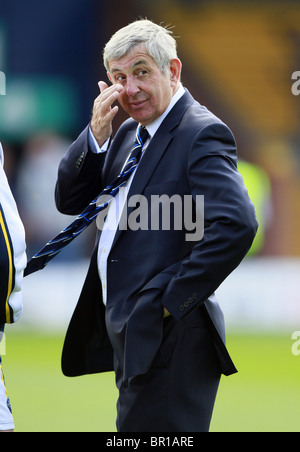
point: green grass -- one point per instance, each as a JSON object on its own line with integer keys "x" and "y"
{"x": 263, "y": 397}
{"x": 43, "y": 400}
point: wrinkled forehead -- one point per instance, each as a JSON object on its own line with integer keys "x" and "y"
{"x": 136, "y": 56}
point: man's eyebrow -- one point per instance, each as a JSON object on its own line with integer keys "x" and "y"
{"x": 115, "y": 70}
{"x": 137, "y": 63}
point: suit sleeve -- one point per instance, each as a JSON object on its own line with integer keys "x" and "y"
{"x": 79, "y": 176}
{"x": 229, "y": 221}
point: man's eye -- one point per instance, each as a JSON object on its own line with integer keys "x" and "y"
{"x": 120, "y": 78}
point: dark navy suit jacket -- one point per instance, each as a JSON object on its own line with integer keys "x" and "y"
{"x": 192, "y": 153}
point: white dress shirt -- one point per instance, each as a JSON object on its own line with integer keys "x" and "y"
{"x": 116, "y": 208}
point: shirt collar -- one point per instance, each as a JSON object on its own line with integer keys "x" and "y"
{"x": 153, "y": 127}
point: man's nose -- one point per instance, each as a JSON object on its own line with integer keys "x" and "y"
{"x": 131, "y": 86}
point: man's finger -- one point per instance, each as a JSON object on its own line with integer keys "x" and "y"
{"x": 102, "y": 86}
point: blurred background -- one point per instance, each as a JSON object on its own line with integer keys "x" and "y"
{"x": 238, "y": 59}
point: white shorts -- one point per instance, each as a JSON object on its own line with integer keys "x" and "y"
{"x": 6, "y": 419}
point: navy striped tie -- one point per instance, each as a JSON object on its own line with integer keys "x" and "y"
{"x": 52, "y": 248}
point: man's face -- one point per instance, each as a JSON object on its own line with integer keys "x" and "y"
{"x": 147, "y": 91}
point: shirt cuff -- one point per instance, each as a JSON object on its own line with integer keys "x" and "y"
{"x": 94, "y": 146}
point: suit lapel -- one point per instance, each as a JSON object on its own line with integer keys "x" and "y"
{"x": 156, "y": 150}
{"x": 114, "y": 163}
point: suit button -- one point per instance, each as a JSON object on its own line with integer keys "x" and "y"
{"x": 186, "y": 304}
{"x": 195, "y": 296}
{"x": 190, "y": 300}
{"x": 80, "y": 160}
{"x": 181, "y": 308}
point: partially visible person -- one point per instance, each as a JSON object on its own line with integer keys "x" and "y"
{"x": 12, "y": 264}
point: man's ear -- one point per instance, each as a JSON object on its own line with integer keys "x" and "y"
{"x": 175, "y": 71}
{"x": 109, "y": 77}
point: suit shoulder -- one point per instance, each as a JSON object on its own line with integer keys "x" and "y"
{"x": 206, "y": 134}
{"x": 200, "y": 117}
{"x": 199, "y": 125}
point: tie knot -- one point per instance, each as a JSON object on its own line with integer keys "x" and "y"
{"x": 142, "y": 135}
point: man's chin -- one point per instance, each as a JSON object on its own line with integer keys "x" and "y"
{"x": 141, "y": 116}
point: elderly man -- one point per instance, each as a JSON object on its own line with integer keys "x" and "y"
{"x": 12, "y": 263}
{"x": 147, "y": 308}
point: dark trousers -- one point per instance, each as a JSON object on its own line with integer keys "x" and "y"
{"x": 178, "y": 393}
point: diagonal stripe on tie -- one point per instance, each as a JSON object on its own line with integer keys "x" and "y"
{"x": 54, "y": 246}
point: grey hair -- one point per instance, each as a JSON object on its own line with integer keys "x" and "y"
{"x": 159, "y": 43}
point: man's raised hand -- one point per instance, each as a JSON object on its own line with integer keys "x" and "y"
{"x": 104, "y": 112}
